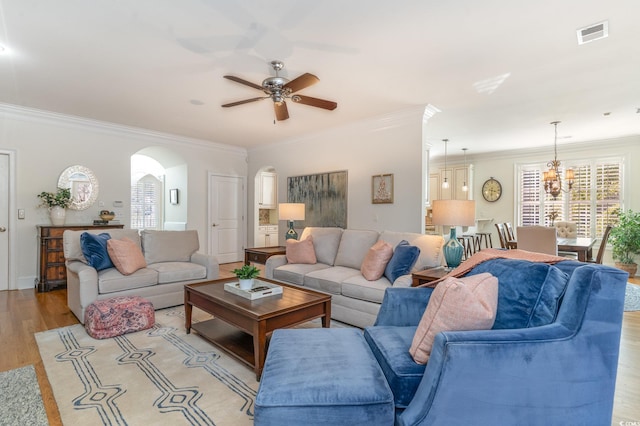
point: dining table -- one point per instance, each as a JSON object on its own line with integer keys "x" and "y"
{"x": 582, "y": 246}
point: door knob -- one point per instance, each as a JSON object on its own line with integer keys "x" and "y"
{"x": 2, "y": 229}
{"x": 216, "y": 224}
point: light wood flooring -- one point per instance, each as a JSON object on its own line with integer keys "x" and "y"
{"x": 25, "y": 312}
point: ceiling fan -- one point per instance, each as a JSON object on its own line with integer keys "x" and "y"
{"x": 279, "y": 89}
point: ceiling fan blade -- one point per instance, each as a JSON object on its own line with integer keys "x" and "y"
{"x": 315, "y": 102}
{"x": 282, "y": 113}
{"x": 246, "y": 101}
{"x": 241, "y": 81}
{"x": 305, "y": 80}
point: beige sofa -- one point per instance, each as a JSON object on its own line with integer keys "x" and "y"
{"x": 339, "y": 256}
{"x": 172, "y": 261}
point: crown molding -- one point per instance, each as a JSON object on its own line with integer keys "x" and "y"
{"x": 151, "y": 136}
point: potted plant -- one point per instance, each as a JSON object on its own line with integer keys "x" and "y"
{"x": 245, "y": 275}
{"x": 57, "y": 204}
{"x": 625, "y": 240}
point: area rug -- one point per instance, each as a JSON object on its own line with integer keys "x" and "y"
{"x": 20, "y": 398}
{"x": 632, "y": 298}
{"x": 155, "y": 376}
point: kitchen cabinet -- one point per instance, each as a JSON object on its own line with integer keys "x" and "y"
{"x": 268, "y": 191}
{"x": 267, "y": 236}
{"x": 456, "y": 176}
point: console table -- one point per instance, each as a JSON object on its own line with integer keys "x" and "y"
{"x": 261, "y": 254}
{"x": 52, "y": 272}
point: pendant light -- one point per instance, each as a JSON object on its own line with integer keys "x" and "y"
{"x": 465, "y": 188}
{"x": 445, "y": 183}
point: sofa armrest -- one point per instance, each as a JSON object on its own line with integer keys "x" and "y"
{"x": 472, "y": 376}
{"x": 403, "y": 281}
{"x": 403, "y": 306}
{"x": 274, "y": 262}
{"x": 208, "y": 261}
{"x": 82, "y": 287}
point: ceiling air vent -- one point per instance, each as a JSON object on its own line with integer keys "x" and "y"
{"x": 593, "y": 32}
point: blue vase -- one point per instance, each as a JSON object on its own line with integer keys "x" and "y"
{"x": 453, "y": 250}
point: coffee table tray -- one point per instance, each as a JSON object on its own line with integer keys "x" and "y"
{"x": 259, "y": 289}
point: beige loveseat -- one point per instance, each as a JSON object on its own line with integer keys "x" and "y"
{"x": 340, "y": 254}
{"x": 172, "y": 261}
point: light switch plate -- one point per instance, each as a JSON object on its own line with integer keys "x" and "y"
{"x": 20, "y": 213}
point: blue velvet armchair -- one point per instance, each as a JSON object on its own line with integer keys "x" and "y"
{"x": 551, "y": 358}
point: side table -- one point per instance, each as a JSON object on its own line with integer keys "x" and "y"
{"x": 261, "y": 254}
{"x": 428, "y": 275}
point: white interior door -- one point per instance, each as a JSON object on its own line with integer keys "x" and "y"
{"x": 4, "y": 222}
{"x": 226, "y": 218}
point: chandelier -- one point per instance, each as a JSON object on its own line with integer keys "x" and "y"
{"x": 552, "y": 178}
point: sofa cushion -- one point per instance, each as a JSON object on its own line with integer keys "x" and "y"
{"x": 170, "y": 272}
{"x": 110, "y": 280}
{"x": 94, "y": 249}
{"x": 330, "y": 279}
{"x": 294, "y": 273}
{"x": 390, "y": 345}
{"x": 529, "y": 293}
{"x": 456, "y": 304}
{"x": 402, "y": 261}
{"x": 71, "y": 241}
{"x": 354, "y": 245}
{"x": 376, "y": 260}
{"x": 301, "y": 251}
{"x": 325, "y": 242}
{"x": 430, "y": 247}
{"x": 125, "y": 255}
{"x": 358, "y": 287}
{"x": 169, "y": 246}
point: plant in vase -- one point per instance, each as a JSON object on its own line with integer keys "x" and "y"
{"x": 57, "y": 203}
{"x": 625, "y": 240}
{"x": 245, "y": 275}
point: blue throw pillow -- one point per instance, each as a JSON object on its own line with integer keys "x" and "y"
{"x": 94, "y": 249}
{"x": 529, "y": 293}
{"x": 403, "y": 259}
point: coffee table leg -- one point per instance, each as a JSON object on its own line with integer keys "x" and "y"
{"x": 187, "y": 317}
{"x": 259, "y": 347}
{"x": 326, "y": 319}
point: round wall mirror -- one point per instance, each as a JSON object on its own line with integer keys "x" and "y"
{"x": 83, "y": 185}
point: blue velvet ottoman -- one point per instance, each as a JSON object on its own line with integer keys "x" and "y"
{"x": 322, "y": 376}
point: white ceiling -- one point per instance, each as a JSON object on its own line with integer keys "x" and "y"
{"x": 159, "y": 65}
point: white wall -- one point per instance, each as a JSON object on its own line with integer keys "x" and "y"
{"x": 389, "y": 144}
{"x": 46, "y": 143}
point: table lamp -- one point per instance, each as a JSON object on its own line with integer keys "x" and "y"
{"x": 454, "y": 213}
{"x": 291, "y": 212}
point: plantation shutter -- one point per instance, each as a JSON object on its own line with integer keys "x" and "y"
{"x": 145, "y": 203}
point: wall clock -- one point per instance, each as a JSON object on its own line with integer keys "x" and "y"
{"x": 491, "y": 190}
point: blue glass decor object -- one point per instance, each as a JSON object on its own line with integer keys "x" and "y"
{"x": 453, "y": 250}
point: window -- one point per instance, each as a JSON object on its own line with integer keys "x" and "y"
{"x": 592, "y": 203}
{"x": 147, "y": 177}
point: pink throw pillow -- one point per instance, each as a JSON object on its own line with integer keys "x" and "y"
{"x": 376, "y": 260}
{"x": 456, "y": 304}
{"x": 125, "y": 255}
{"x": 301, "y": 251}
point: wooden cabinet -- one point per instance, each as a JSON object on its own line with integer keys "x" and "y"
{"x": 456, "y": 176}
{"x": 268, "y": 191}
{"x": 52, "y": 272}
{"x": 267, "y": 236}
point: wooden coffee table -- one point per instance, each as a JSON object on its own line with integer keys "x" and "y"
{"x": 241, "y": 326}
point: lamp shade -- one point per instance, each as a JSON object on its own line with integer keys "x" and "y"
{"x": 454, "y": 212}
{"x": 291, "y": 211}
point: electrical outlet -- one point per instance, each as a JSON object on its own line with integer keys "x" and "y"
{"x": 20, "y": 213}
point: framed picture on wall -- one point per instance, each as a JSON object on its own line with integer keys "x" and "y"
{"x": 382, "y": 189}
{"x": 173, "y": 196}
{"x": 324, "y": 196}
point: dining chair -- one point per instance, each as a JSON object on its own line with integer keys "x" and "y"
{"x": 502, "y": 235}
{"x": 603, "y": 246}
{"x": 539, "y": 239}
{"x": 567, "y": 229}
{"x": 511, "y": 236}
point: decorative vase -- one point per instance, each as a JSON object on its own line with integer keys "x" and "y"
{"x": 630, "y": 268}
{"x": 246, "y": 284}
{"x": 453, "y": 250}
{"x": 57, "y": 215}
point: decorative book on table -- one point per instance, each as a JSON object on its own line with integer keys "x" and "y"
{"x": 260, "y": 289}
